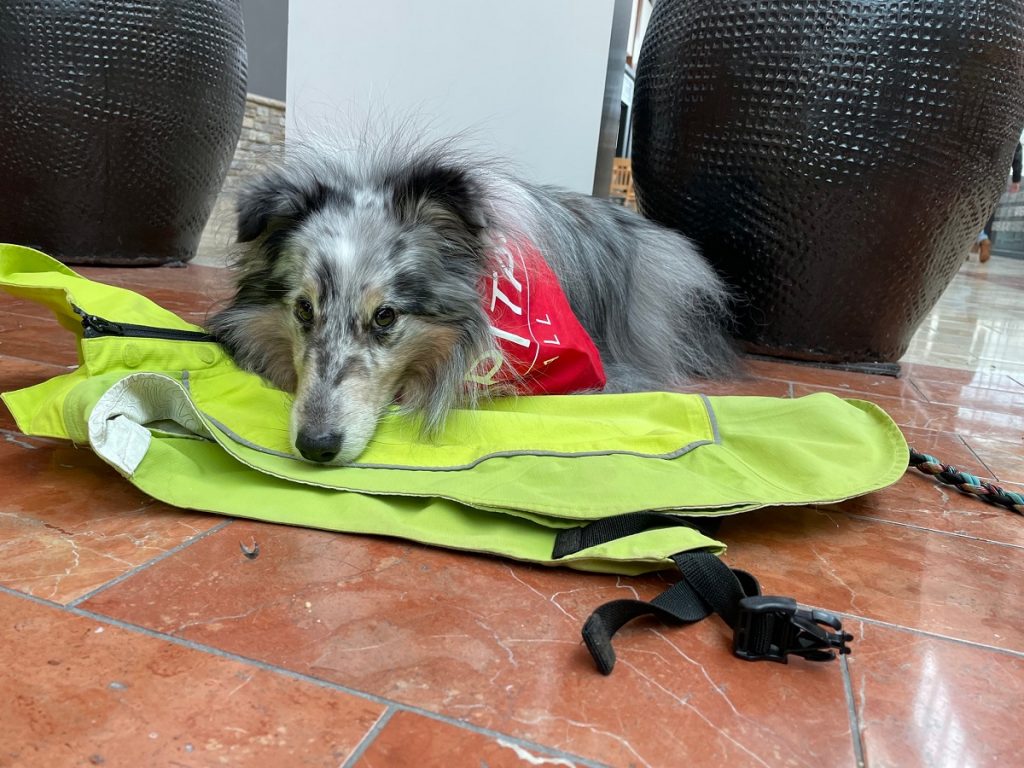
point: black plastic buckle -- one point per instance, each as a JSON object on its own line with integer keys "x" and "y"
{"x": 773, "y": 627}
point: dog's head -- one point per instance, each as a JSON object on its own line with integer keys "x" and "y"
{"x": 357, "y": 288}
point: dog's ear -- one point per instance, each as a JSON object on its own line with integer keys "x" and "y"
{"x": 428, "y": 184}
{"x": 277, "y": 201}
{"x": 267, "y": 199}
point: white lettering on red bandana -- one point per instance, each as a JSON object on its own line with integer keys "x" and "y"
{"x": 540, "y": 346}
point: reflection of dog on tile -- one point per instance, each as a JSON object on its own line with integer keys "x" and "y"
{"x": 401, "y": 275}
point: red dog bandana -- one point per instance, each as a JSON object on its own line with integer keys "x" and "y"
{"x": 541, "y": 348}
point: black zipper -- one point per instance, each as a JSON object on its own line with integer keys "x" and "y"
{"x": 96, "y": 326}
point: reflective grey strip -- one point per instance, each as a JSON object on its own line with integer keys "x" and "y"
{"x": 716, "y": 437}
{"x": 235, "y": 437}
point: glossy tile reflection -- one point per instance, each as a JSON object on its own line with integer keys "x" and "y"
{"x": 978, "y": 323}
{"x": 930, "y": 702}
{"x": 94, "y": 694}
{"x": 136, "y": 634}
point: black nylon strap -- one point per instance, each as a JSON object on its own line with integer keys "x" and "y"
{"x": 569, "y": 541}
{"x": 708, "y": 586}
{"x": 718, "y": 585}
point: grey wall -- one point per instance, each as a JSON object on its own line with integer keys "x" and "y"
{"x": 266, "y": 32}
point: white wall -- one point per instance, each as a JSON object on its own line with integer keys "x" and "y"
{"x": 525, "y": 77}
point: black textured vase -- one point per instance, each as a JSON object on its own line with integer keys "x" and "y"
{"x": 835, "y": 159}
{"x": 119, "y": 123}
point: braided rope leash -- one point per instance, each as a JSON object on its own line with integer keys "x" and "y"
{"x": 966, "y": 482}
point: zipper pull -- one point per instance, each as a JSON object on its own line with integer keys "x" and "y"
{"x": 95, "y": 326}
{"x": 100, "y": 326}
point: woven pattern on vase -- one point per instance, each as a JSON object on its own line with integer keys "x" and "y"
{"x": 121, "y": 119}
{"x": 835, "y": 160}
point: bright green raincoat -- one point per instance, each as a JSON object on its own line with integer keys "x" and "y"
{"x": 164, "y": 405}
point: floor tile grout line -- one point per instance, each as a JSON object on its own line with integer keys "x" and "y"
{"x": 932, "y": 635}
{"x": 399, "y": 706}
{"x": 851, "y": 704}
{"x": 11, "y": 592}
{"x": 952, "y": 534}
{"x": 369, "y": 737}
{"x": 883, "y": 403}
{"x": 274, "y": 669}
{"x": 388, "y": 713}
{"x": 151, "y": 562}
{"x": 981, "y": 403}
{"x": 847, "y": 392}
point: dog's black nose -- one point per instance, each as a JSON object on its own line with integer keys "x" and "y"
{"x": 319, "y": 448}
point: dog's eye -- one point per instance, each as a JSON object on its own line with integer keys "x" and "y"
{"x": 384, "y": 316}
{"x": 304, "y": 310}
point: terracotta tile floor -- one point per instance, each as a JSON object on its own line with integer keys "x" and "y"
{"x": 135, "y": 634}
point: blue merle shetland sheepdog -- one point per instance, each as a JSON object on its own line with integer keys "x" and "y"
{"x": 362, "y": 281}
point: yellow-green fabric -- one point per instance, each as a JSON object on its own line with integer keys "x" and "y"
{"x": 185, "y": 425}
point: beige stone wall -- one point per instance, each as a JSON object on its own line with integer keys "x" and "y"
{"x": 262, "y": 133}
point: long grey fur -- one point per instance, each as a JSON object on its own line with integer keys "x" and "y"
{"x": 415, "y": 224}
